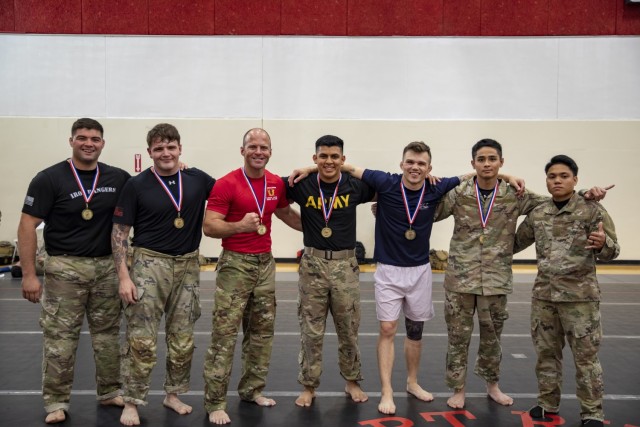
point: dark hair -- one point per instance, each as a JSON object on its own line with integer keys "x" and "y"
{"x": 330, "y": 141}
{"x": 417, "y": 147}
{"x": 163, "y": 131}
{"x": 491, "y": 143}
{"x": 86, "y": 123}
{"x": 563, "y": 160}
{"x": 245, "y": 137}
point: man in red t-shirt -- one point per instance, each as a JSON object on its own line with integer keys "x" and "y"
{"x": 239, "y": 212}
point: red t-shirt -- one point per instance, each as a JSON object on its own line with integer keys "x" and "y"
{"x": 232, "y": 198}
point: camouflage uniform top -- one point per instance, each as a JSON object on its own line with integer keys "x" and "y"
{"x": 480, "y": 259}
{"x": 566, "y": 270}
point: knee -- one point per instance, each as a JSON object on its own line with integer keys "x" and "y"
{"x": 143, "y": 348}
{"x": 414, "y": 329}
{"x": 388, "y": 329}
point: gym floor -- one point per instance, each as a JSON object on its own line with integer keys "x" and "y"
{"x": 21, "y": 344}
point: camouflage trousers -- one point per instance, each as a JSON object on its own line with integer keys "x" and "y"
{"x": 459, "y": 309}
{"x": 328, "y": 285}
{"x": 73, "y": 287}
{"x": 579, "y": 323}
{"x": 245, "y": 292}
{"x": 168, "y": 285}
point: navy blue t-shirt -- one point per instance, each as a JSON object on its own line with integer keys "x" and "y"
{"x": 391, "y": 218}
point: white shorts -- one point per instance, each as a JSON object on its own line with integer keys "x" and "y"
{"x": 406, "y": 288}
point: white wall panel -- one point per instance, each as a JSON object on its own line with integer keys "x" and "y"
{"x": 184, "y": 77}
{"x": 470, "y": 78}
{"x": 52, "y": 76}
{"x": 392, "y": 78}
{"x": 334, "y": 78}
{"x": 599, "y": 78}
{"x": 410, "y": 78}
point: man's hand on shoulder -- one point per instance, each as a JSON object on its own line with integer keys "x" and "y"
{"x": 299, "y": 174}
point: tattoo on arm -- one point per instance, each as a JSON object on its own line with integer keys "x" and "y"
{"x": 120, "y": 244}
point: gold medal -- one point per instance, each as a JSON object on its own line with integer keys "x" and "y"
{"x": 326, "y": 232}
{"x": 410, "y": 234}
{"x": 87, "y": 214}
{"x": 481, "y": 238}
{"x": 178, "y": 222}
{"x": 262, "y": 229}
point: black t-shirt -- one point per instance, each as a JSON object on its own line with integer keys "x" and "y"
{"x": 342, "y": 222}
{"x": 55, "y": 197}
{"x": 146, "y": 206}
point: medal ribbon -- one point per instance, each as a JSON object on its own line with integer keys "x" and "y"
{"x": 326, "y": 214}
{"x": 87, "y": 198}
{"x": 264, "y": 199}
{"x": 177, "y": 204}
{"x": 484, "y": 218}
{"x": 411, "y": 217}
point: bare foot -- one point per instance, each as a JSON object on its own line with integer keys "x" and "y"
{"x": 306, "y": 397}
{"x": 264, "y": 401}
{"x": 456, "y": 401}
{"x": 498, "y": 396}
{"x": 130, "y": 415}
{"x": 386, "y": 405}
{"x": 418, "y": 392}
{"x": 116, "y": 401}
{"x": 219, "y": 417}
{"x": 352, "y": 388}
{"x": 171, "y": 401}
{"x": 55, "y": 417}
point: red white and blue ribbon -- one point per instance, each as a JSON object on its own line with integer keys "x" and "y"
{"x": 87, "y": 197}
{"x": 411, "y": 217}
{"x": 485, "y": 217}
{"x": 178, "y": 203}
{"x": 255, "y": 197}
{"x": 326, "y": 214}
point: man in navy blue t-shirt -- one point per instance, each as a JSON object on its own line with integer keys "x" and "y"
{"x": 403, "y": 281}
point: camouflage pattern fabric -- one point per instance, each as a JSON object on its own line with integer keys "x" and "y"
{"x": 245, "y": 292}
{"x": 566, "y": 270}
{"x": 170, "y": 285}
{"x": 73, "y": 287}
{"x": 459, "y": 309}
{"x": 438, "y": 259}
{"x": 579, "y": 322}
{"x": 480, "y": 258}
{"x": 328, "y": 285}
{"x": 565, "y": 297}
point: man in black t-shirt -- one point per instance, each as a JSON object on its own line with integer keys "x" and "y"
{"x": 165, "y": 207}
{"x": 329, "y": 272}
{"x": 75, "y": 198}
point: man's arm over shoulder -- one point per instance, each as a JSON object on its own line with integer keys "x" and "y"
{"x": 530, "y": 200}
{"x": 354, "y": 171}
{"x": 448, "y": 202}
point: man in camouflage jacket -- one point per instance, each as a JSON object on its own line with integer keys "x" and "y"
{"x": 570, "y": 233}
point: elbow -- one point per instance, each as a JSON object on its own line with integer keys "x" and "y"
{"x": 208, "y": 231}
